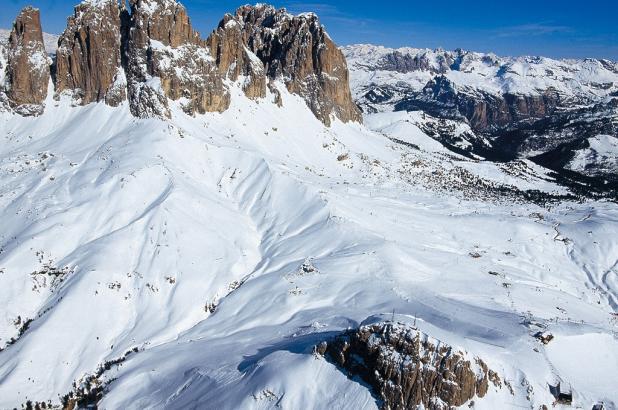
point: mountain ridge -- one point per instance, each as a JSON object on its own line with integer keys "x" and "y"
{"x": 150, "y": 54}
{"x": 256, "y": 255}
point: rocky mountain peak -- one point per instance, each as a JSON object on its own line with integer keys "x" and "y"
{"x": 167, "y": 59}
{"x": 298, "y": 50}
{"x": 151, "y": 54}
{"x": 166, "y": 21}
{"x": 27, "y": 71}
{"x": 88, "y": 59}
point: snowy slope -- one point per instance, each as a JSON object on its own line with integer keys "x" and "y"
{"x": 600, "y": 156}
{"x": 185, "y": 240}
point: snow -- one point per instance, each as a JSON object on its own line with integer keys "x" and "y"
{"x": 3, "y": 61}
{"x": 150, "y": 7}
{"x": 99, "y": 3}
{"x": 601, "y": 155}
{"x": 475, "y": 72}
{"x": 155, "y": 222}
{"x": 598, "y": 356}
{"x": 401, "y": 125}
{"x": 39, "y": 60}
{"x": 256, "y": 63}
{"x": 183, "y": 59}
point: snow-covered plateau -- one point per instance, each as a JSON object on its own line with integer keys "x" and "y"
{"x": 262, "y": 257}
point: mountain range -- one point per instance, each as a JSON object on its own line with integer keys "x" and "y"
{"x": 261, "y": 219}
{"x": 556, "y": 113}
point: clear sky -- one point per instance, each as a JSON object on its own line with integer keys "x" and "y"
{"x": 554, "y": 28}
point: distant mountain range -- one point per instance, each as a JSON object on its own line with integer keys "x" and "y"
{"x": 554, "y": 112}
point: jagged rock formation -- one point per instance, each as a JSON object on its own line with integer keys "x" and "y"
{"x": 407, "y": 368}
{"x": 406, "y": 63}
{"x": 27, "y": 71}
{"x": 168, "y": 59}
{"x": 88, "y": 59}
{"x": 152, "y": 55}
{"x": 482, "y": 110}
{"x": 297, "y": 49}
{"x": 228, "y": 44}
{"x": 50, "y": 40}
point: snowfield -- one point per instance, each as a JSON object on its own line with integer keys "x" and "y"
{"x": 183, "y": 242}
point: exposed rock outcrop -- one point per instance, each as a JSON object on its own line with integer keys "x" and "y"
{"x": 407, "y": 368}
{"x": 255, "y": 45}
{"x": 168, "y": 59}
{"x": 27, "y": 71}
{"x": 228, "y": 44}
{"x": 88, "y": 59}
{"x": 153, "y": 55}
{"x": 165, "y": 21}
{"x": 406, "y": 63}
{"x": 483, "y": 111}
{"x": 298, "y": 50}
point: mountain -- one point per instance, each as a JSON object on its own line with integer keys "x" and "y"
{"x": 525, "y": 79}
{"x": 150, "y": 54}
{"x": 194, "y": 222}
{"x": 524, "y": 107}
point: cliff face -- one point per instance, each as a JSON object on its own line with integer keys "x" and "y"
{"x": 407, "y": 368}
{"x": 228, "y": 44}
{"x": 152, "y": 54}
{"x": 297, "y": 49}
{"x": 482, "y": 110}
{"x": 88, "y": 60}
{"x": 166, "y": 58}
{"x": 165, "y": 21}
{"x": 27, "y": 71}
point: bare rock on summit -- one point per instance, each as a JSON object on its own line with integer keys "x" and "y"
{"x": 88, "y": 60}
{"x": 152, "y": 56}
{"x": 165, "y": 21}
{"x": 298, "y": 50}
{"x": 27, "y": 72}
{"x": 168, "y": 59}
{"x": 228, "y": 44}
{"x": 406, "y": 368}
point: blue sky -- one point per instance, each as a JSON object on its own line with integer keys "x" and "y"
{"x": 555, "y": 28}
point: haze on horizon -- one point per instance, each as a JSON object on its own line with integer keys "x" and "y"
{"x": 552, "y": 28}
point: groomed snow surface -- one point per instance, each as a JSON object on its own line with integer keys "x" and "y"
{"x": 185, "y": 238}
